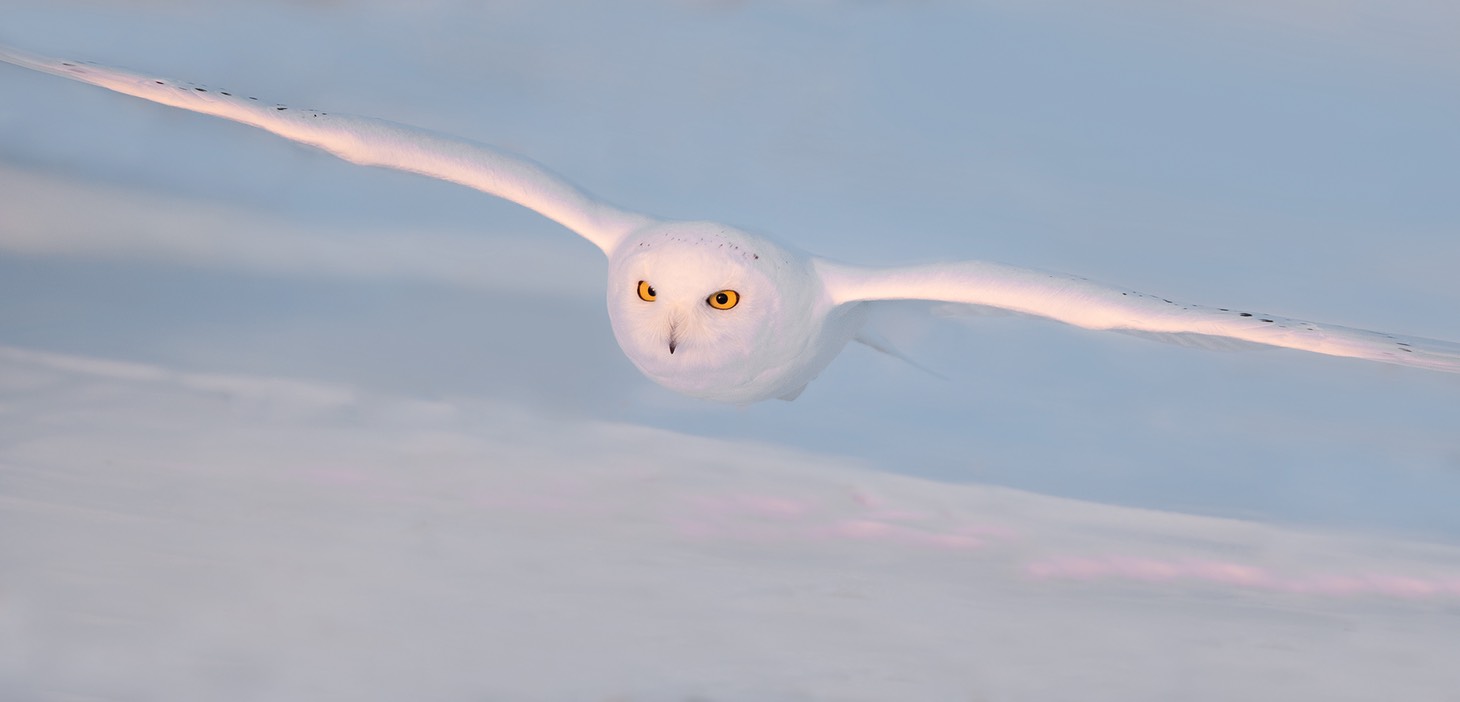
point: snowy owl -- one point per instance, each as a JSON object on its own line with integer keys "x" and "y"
{"x": 714, "y": 312}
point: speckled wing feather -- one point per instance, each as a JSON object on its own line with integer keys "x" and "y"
{"x": 372, "y": 142}
{"x": 1092, "y": 305}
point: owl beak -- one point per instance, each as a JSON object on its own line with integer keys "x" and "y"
{"x": 673, "y": 338}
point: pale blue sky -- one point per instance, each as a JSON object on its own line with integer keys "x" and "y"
{"x": 1264, "y": 157}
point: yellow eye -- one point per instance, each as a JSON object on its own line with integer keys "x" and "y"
{"x": 646, "y": 291}
{"x": 723, "y": 300}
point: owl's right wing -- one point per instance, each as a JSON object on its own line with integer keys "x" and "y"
{"x": 372, "y": 142}
{"x": 1091, "y": 305}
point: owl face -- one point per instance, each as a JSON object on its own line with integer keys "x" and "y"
{"x": 705, "y": 310}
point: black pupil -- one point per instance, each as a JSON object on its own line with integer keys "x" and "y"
{"x": 649, "y": 289}
{"x": 721, "y": 298}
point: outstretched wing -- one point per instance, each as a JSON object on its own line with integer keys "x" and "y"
{"x": 1091, "y": 305}
{"x": 372, "y": 142}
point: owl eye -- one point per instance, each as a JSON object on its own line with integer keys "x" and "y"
{"x": 723, "y": 300}
{"x": 646, "y": 291}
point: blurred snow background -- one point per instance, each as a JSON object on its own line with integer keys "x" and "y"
{"x": 273, "y": 426}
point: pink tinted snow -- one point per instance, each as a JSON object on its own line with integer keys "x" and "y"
{"x": 1240, "y": 576}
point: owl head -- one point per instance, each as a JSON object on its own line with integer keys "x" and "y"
{"x": 708, "y": 310}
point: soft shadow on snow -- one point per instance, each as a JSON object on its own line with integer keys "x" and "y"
{"x": 243, "y": 537}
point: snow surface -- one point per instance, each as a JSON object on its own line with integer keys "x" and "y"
{"x": 196, "y": 536}
{"x": 254, "y": 443}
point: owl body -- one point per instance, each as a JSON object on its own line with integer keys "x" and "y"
{"x": 718, "y": 313}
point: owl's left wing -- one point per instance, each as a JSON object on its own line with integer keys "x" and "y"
{"x": 1091, "y": 305}
{"x": 371, "y": 142}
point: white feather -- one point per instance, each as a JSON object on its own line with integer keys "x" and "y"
{"x": 794, "y": 312}
{"x": 371, "y": 142}
{"x": 1091, "y": 305}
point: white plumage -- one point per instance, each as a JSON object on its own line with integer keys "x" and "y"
{"x": 715, "y": 312}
